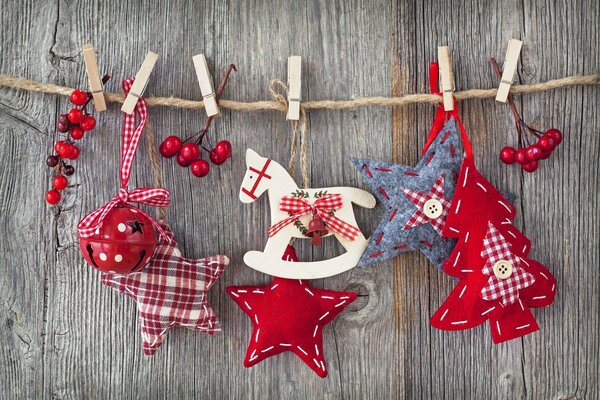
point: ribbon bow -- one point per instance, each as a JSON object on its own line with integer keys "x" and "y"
{"x": 321, "y": 208}
{"x": 151, "y": 196}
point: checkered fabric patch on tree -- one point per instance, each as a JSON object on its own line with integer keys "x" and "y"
{"x": 504, "y": 268}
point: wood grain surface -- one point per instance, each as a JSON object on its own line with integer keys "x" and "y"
{"x": 65, "y": 336}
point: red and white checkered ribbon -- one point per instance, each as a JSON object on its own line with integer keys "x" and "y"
{"x": 496, "y": 248}
{"x": 150, "y": 196}
{"x": 321, "y": 208}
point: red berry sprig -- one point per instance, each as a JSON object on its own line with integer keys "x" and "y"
{"x": 528, "y": 155}
{"x": 76, "y": 122}
{"x": 189, "y": 151}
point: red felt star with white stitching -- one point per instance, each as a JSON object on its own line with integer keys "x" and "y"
{"x": 171, "y": 290}
{"x": 289, "y": 315}
{"x": 419, "y": 199}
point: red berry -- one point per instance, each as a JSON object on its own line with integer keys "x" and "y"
{"x": 200, "y": 168}
{"x": 68, "y": 170}
{"x": 79, "y": 97}
{"x": 215, "y": 158}
{"x": 64, "y": 119}
{"x": 59, "y": 147}
{"x": 554, "y": 134}
{"x": 75, "y": 115}
{"x": 53, "y": 196}
{"x": 545, "y": 154}
{"x": 170, "y": 146}
{"x": 77, "y": 132}
{"x": 62, "y": 127}
{"x": 88, "y": 123}
{"x": 66, "y": 150}
{"x": 507, "y": 155}
{"x": 60, "y": 182}
{"x": 223, "y": 149}
{"x": 534, "y": 152}
{"x": 188, "y": 153}
{"x": 530, "y": 167}
{"x": 521, "y": 157}
{"x": 181, "y": 160}
{"x": 63, "y": 124}
{"x": 52, "y": 161}
{"x": 547, "y": 143}
{"x": 74, "y": 154}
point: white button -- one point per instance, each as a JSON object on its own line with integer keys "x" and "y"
{"x": 103, "y": 256}
{"x": 121, "y": 227}
{"x": 118, "y": 258}
{"x": 433, "y": 208}
{"x": 503, "y": 269}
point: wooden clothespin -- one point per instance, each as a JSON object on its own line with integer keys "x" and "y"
{"x": 510, "y": 67}
{"x": 295, "y": 87}
{"x": 96, "y": 86}
{"x": 206, "y": 85}
{"x": 139, "y": 84}
{"x": 446, "y": 77}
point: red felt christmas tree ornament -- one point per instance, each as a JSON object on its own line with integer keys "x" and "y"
{"x": 119, "y": 237}
{"x": 497, "y": 280}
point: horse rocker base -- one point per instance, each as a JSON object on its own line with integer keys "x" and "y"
{"x": 292, "y": 210}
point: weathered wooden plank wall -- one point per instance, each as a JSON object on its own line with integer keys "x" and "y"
{"x": 63, "y": 335}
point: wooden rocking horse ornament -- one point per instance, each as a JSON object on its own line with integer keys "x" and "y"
{"x": 302, "y": 213}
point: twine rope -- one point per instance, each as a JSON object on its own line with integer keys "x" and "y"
{"x": 17, "y": 82}
{"x": 279, "y": 103}
{"x": 301, "y": 125}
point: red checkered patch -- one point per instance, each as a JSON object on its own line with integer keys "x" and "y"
{"x": 496, "y": 248}
{"x": 419, "y": 199}
{"x": 171, "y": 290}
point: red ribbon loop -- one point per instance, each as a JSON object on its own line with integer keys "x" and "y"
{"x": 441, "y": 116}
{"x": 150, "y": 196}
{"x": 321, "y": 208}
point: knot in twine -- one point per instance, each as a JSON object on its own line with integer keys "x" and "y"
{"x": 296, "y": 125}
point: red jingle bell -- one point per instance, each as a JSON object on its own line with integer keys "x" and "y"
{"x": 316, "y": 230}
{"x": 123, "y": 243}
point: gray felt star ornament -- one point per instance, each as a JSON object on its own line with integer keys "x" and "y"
{"x": 416, "y": 200}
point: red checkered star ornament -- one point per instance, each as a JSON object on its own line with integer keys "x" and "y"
{"x": 497, "y": 282}
{"x": 289, "y": 315}
{"x": 171, "y": 290}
